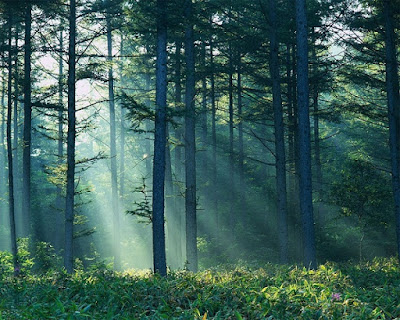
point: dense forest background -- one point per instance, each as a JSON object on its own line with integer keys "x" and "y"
{"x": 104, "y": 103}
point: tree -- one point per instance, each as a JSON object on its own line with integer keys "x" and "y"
{"x": 26, "y": 160}
{"x": 190, "y": 143}
{"x": 305, "y": 186}
{"x": 160, "y": 141}
{"x": 393, "y": 104}
{"x": 280, "y": 163}
{"x": 69, "y": 209}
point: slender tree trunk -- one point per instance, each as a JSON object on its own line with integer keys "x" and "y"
{"x": 122, "y": 134}
{"x": 60, "y": 147}
{"x": 14, "y": 248}
{"x": 280, "y": 161}
{"x": 242, "y": 188}
{"x": 305, "y": 186}
{"x": 214, "y": 142}
{"x": 317, "y": 149}
{"x": 179, "y": 207}
{"x": 3, "y": 161}
{"x": 147, "y": 124}
{"x": 393, "y": 102}
{"x": 113, "y": 148}
{"x": 69, "y": 209}
{"x": 26, "y": 161}
{"x": 190, "y": 146}
{"x": 16, "y": 131}
{"x": 204, "y": 110}
{"x": 160, "y": 141}
{"x": 232, "y": 214}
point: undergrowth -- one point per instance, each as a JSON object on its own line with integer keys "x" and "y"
{"x": 333, "y": 291}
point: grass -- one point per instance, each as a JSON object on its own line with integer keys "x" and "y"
{"x": 333, "y": 291}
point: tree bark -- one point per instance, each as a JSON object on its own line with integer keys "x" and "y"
{"x": 122, "y": 134}
{"x": 69, "y": 209}
{"x": 190, "y": 140}
{"x": 113, "y": 147}
{"x": 280, "y": 157}
{"x": 160, "y": 142}
{"x": 242, "y": 187}
{"x": 393, "y": 102}
{"x": 60, "y": 147}
{"x": 232, "y": 213}
{"x": 26, "y": 161}
{"x": 14, "y": 247}
{"x": 305, "y": 186}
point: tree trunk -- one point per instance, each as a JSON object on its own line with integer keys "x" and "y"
{"x": 213, "y": 172}
{"x": 190, "y": 147}
{"x": 160, "y": 141}
{"x": 204, "y": 112}
{"x": 14, "y": 247}
{"x": 69, "y": 209}
{"x": 26, "y": 161}
{"x": 15, "y": 132}
{"x": 3, "y": 156}
{"x": 179, "y": 206}
{"x": 280, "y": 158}
{"x": 393, "y": 102}
{"x": 232, "y": 213}
{"x": 113, "y": 148}
{"x": 317, "y": 149}
{"x": 122, "y": 134}
{"x": 242, "y": 187}
{"x": 60, "y": 147}
{"x": 305, "y": 186}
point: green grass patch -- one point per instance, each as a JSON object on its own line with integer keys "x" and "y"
{"x": 334, "y": 291}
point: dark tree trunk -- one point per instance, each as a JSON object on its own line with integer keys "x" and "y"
{"x": 305, "y": 186}
{"x": 190, "y": 147}
{"x": 3, "y": 156}
{"x": 204, "y": 111}
{"x": 179, "y": 206}
{"x": 317, "y": 149}
{"x": 160, "y": 141}
{"x": 26, "y": 161}
{"x": 242, "y": 188}
{"x": 232, "y": 213}
{"x": 393, "y": 102}
{"x": 214, "y": 142}
{"x": 122, "y": 134}
{"x": 14, "y": 248}
{"x": 113, "y": 148}
{"x": 69, "y": 209}
{"x": 280, "y": 158}
{"x": 16, "y": 131}
{"x": 60, "y": 147}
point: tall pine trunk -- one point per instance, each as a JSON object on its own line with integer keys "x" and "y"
{"x": 69, "y": 208}
{"x": 160, "y": 141}
{"x": 26, "y": 156}
{"x": 60, "y": 146}
{"x": 190, "y": 140}
{"x": 113, "y": 147}
{"x": 393, "y": 102}
{"x": 242, "y": 187}
{"x": 305, "y": 186}
{"x": 280, "y": 158}
{"x": 14, "y": 248}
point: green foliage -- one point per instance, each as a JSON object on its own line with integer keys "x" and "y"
{"x": 333, "y": 291}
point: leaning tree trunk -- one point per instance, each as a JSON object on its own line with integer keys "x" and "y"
{"x": 393, "y": 102}
{"x": 190, "y": 144}
{"x": 26, "y": 156}
{"x": 69, "y": 208}
{"x": 305, "y": 186}
{"x": 14, "y": 248}
{"x": 113, "y": 148}
{"x": 160, "y": 141}
{"x": 280, "y": 158}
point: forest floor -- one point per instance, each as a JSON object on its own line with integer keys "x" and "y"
{"x": 333, "y": 291}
